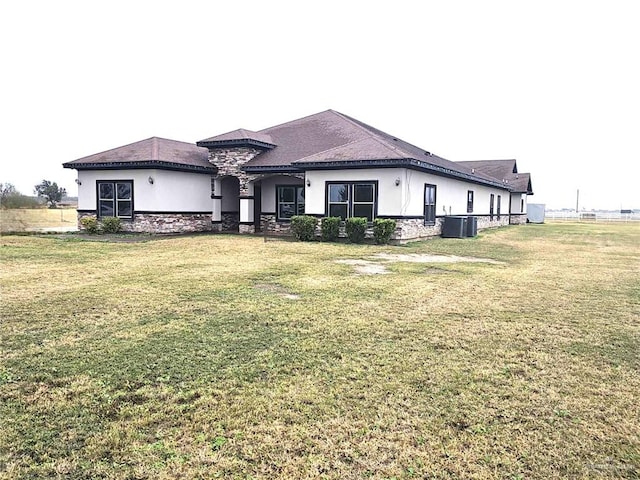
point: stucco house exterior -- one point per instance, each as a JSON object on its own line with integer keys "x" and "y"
{"x": 519, "y": 184}
{"x": 326, "y": 164}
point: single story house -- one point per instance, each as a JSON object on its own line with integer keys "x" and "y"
{"x": 326, "y": 164}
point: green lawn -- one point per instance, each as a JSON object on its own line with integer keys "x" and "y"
{"x": 226, "y": 356}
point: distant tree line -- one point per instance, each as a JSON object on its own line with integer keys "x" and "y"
{"x": 12, "y": 198}
{"x": 46, "y": 190}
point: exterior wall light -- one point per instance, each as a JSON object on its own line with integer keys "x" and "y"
{"x": 308, "y": 182}
{"x": 150, "y": 180}
{"x": 397, "y": 181}
{"x": 78, "y": 182}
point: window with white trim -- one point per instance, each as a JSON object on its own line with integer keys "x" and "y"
{"x": 429, "y": 204}
{"x": 498, "y": 206}
{"x": 352, "y": 199}
{"x": 289, "y": 200}
{"x": 115, "y": 198}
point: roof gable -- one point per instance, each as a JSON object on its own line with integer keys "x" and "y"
{"x": 238, "y": 137}
{"x": 503, "y": 170}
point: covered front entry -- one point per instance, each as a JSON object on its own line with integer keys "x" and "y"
{"x": 250, "y": 204}
{"x": 226, "y": 204}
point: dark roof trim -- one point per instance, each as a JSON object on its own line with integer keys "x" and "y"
{"x": 404, "y": 162}
{"x": 179, "y": 167}
{"x": 271, "y": 168}
{"x": 242, "y": 142}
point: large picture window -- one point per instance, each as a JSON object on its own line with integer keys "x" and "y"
{"x": 352, "y": 199}
{"x": 115, "y": 199}
{"x": 290, "y": 201}
{"x": 429, "y": 204}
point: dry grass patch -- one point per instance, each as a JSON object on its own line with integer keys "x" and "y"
{"x": 29, "y": 219}
{"x": 185, "y": 358}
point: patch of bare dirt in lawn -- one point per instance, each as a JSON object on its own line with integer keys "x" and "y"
{"x": 277, "y": 290}
{"x": 422, "y": 258}
{"x": 365, "y": 267}
{"x": 374, "y": 267}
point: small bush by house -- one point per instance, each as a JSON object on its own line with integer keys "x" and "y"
{"x": 356, "y": 228}
{"x": 90, "y": 224}
{"x": 303, "y": 227}
{"x": 383, "y": 228}
{"x": 330, "y": 227}
{"x": 111, "y": 224}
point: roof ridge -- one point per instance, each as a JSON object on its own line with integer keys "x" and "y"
{"x": 328, "y": 150}
{"x": 163, "y": 139}
{"x": 373, "y": 132}
{"x": 295, "y": 120}
{"x": 391, "y": 146}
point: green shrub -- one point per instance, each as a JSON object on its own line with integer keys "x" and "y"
{"x": 356, "y": 228}
{"x": 330, "y": 228}
{"x": 111, "y": 224}
{"x": 303, "y": 227}
{"x": 90, "y": 224}
{"x": 383, "y": 228}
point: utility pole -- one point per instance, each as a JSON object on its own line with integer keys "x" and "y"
{"x": 577, "y": 199}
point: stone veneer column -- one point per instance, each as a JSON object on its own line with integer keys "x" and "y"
{"x": 228, "y": 161}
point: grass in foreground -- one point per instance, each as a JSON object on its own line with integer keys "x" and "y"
{"x": 191, "y": 358}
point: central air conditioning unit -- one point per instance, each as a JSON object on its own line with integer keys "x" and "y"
{"x": 472, "y": 226}
{"x": 454, "y": 227}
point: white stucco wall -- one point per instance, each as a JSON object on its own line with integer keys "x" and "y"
{"x": 389, "y": 195}
{"x": 516, "y": 199}
{"x": 406, "y": 199}
{"x": 171, "y": 191}
{"x": 268, "y": 193}
{"x": 451, "y": 195}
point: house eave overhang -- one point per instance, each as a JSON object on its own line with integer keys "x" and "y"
{"x": 235, "y": 143}
{"x": 411, "y": 163}
{"x": 160, "y": 165}
{"x": 528, "y": 192}
{"x": 271, "y": 169}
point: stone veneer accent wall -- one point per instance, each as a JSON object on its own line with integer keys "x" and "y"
{"x": 517, "y": 219}
{"x": 414, "y": 228}
{"x": 484, "y": 222}
{"x": 163, "y": 222}
{"x": 230, "y": 221}
{"x": 406, "y": 228}
{"x": 229, "y": 160}
{"x": 271, "y": 226}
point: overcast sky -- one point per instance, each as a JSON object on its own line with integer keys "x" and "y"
{"x": 554, "y": 84}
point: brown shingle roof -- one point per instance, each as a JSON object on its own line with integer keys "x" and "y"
{"x": 331, "y": 137}
{"x": 503, "y": 170}
{"x": 153, "y": 152}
